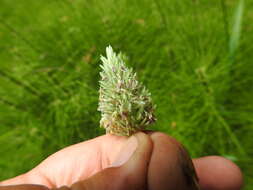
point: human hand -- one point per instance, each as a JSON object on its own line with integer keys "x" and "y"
{"x": 143, "y": 161}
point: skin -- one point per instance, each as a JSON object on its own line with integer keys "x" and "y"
{"x": 150, "y": 160}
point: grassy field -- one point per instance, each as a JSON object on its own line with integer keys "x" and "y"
{"x": 194, "y": 56}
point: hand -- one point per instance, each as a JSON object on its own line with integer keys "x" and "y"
{"x": 151, "y": 161}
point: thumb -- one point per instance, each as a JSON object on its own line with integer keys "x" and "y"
{"x": 129, "y": 171}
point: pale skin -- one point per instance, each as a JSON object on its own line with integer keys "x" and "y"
{"x": 146, "y": 161}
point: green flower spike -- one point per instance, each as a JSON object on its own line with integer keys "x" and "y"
{"x": 125, "y": 104}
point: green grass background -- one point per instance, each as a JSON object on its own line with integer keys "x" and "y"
{"x": 196, "y": 58}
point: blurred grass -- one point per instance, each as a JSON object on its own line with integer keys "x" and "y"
{"x": 194, "y": 56}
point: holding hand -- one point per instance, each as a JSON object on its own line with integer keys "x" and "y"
{"x": 152, "y": 161}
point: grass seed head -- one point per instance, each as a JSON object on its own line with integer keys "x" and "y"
{"x": 125, "y": 104}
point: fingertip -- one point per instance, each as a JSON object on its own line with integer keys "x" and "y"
{"x": 140, "y": 158}
{"x": 170, "y": 165}
{"x": 218, "y": 173}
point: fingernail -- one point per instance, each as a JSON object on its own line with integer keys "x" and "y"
{"x": 126, "y": 152}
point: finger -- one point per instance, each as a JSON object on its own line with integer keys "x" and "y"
{"x": 21, "y": 179}
{"x": 24, "y": 187}
{"x": 27, "y": 178}
{"x": 170, "y": 165}
{"x": 126, "y": 173}
{"x": 84, "y": 160}
{"x": 218, "y": 173}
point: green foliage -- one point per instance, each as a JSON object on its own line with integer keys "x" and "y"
{"x": 194, "y": 56}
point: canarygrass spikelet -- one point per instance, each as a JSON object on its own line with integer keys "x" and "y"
{"x": 125, "y": 104}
